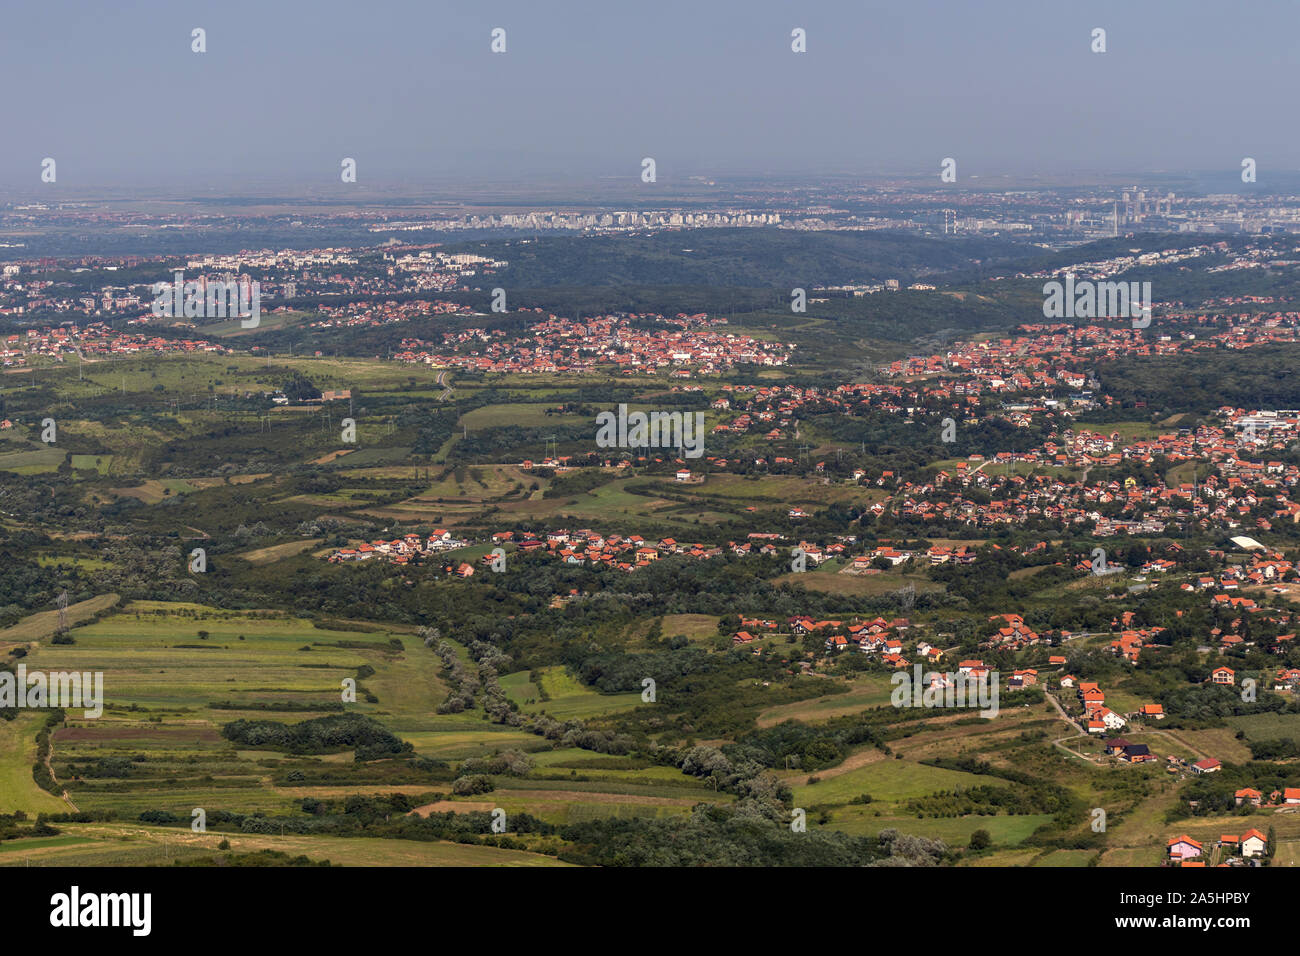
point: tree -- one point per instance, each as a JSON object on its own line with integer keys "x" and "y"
{"x": 980, "y": 840}
{"x": 300, "y": 388}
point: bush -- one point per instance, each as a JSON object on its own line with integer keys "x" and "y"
{"x": 469, "y": 786}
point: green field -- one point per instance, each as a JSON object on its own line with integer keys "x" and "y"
{"x": 567, "y": 699}
{"x": 887, "y": 780}
{"x": 18, "y": 791}
{"x": 1267, "y": 726}
{"x": 115, "y": 845}
{"x": 955, "y": 831}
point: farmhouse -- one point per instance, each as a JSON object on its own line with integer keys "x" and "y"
{"x": 1137, "y": 753}
{"x": 1253, "y": 843}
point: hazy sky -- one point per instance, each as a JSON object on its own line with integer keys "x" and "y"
{"x": 287, "y": 88}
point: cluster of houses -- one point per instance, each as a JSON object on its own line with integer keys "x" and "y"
{"x": 684, "y": 347}
{"x": 1098, "y": 718}
{"x": 934, "y": 555}
{"x": 592, "y": 549}
{"x": 1185, "y": 851}
{"x": 1012, "y": 633}
{"x": 875, "y": 636}
{"x": 583, "y": 547}
{"x": 1288, "y": 796}
{"x": 1050, "y": 361}
{"x": 1243, "y": 486}
{"x": 96, "y": 339}
{"x": 22, "y": 291}
{"x": 1229, "y": 497}
{"x": 1130, "y": 643}
{"x": 370, "y": 314}
{"x": 1263, "y": 569}
{"x": 408, "y": 549}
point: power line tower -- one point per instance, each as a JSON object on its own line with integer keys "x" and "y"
{"x": 62, "y": 602}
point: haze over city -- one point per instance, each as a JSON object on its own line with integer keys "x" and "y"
{"x": 414, "y": 93}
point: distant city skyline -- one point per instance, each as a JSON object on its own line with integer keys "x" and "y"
{"x": 586, "y": 90}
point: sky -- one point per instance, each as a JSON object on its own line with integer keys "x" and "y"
{"x": 586, "y": 90}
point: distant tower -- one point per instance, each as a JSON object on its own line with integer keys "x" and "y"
{"x": 62, "y": 601}
{"x": 1114, "y": 228}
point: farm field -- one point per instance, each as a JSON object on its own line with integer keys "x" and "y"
{"x": 888, "y": 781}
{"x": 135, "y": 845}
{"x": 17, "y": 754}
{"x": 565, "y": 698}
{"x": 862, "y": 693}
{"x": 382, "y": 707}
{"x": 42, "y": 625}
{"x": 956, "y": 831}
{"x": 1267, "y": 726}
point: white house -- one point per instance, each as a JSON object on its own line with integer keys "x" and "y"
{"x": 1253, "y": 843}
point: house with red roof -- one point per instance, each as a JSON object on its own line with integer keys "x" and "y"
{"x": 1183, "y": 848}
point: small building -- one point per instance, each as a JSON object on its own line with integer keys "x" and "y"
{"x": 1253, "y": 843}
{"x": 1183, "y": 848}
{"x": 1137, "y": 753}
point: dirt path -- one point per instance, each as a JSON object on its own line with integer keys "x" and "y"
{"x": 452, "y": 806}
{"x": 855, "y": 761}
{"x": 1073, "y": 753}
{"x": 49, "y": 765}
{"x": 1061, "y": 710}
